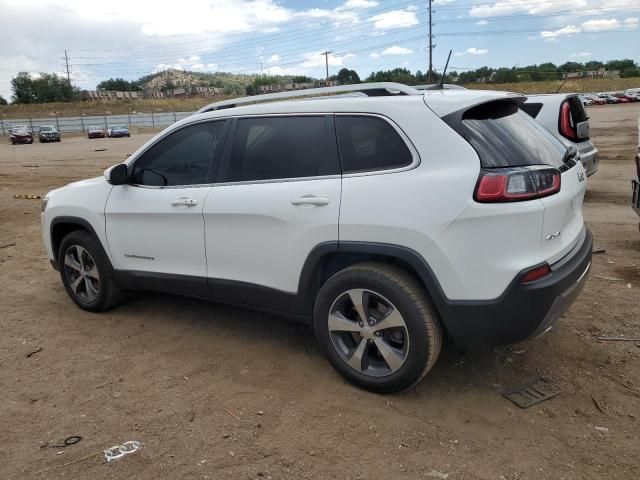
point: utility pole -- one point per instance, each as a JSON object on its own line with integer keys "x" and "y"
{"x": 326, "y": 61}
{"x": 431, "y": 45}
{"x": 66, "y": 61}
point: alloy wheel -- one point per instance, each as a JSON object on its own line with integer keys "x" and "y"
{"x": 368, "y": 332}
{"x": 81, "y": 273}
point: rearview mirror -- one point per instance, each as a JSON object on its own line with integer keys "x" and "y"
{"x": 117, "y": 175}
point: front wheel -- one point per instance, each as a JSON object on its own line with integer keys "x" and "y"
{"x": 376, "y": 326}
{"x": 87, "y": 274}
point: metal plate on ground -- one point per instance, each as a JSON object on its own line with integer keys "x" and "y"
{"x": 529, "y": 394}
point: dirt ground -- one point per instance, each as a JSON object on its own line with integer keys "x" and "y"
{"x": 221, "y": 393}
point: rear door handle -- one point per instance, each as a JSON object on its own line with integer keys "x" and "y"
{"x": 310, "y": 200}
{"x": 184, "y": 202}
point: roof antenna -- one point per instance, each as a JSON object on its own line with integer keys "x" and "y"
{"x": 444, "y": 72}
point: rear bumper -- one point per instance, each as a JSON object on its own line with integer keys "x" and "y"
{"x": 523, "y": 310}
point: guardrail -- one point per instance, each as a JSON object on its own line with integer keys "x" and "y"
{"x": 84, "y": 122}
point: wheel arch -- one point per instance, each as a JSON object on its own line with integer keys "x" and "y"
{"x": 329, "y": 258}
{"x": 63, "y": 226}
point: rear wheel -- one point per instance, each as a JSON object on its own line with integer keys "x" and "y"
{"x": 377, "y": 327}
{"x": 87, "y": 274}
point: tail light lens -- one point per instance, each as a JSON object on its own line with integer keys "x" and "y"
{"x": 536, "y": 273}
{"x": 516, "y": 184}
{"x": 567, "y": 127}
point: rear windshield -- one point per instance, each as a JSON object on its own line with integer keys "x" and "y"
{"x": 578, "y": 113}
{"x": 504, "y": 136}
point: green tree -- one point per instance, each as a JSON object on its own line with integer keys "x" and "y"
{"x": 118, "y": 84}
{"x": 3, "y": 101}
{"x": 42, "y": 88}
{"x": 346, "y": 77}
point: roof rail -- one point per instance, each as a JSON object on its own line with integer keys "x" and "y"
{"x": 379, "y": 89}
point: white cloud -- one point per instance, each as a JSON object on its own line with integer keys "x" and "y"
{"x": 482, "y": 22}
{"x": 271, "y": 30}
{"x": 374, "y": 55}
{"x": 197, "y": 66}
{"x": 593, "y": 25}
{"x": 472, "y": 51}
{"x": 316, "y": 59}
{"x": 274, "y": 58}
{"x": 394, "y": 19}
{"x": 396, "y": 50}
{"x": 443, "y": 2}
{"x": 581, "y": 54}
{"x": 532, "y": 7}
{"x": 359, "y": 4}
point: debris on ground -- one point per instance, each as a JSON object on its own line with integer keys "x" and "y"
{"x": 229, "y": 412}
{"x": 30, "y": 166}
{"x": 6, "y": 245}
{"x": 531, "y": 393}
{"x": 119, "y": 451}
{"x": 597, "y": 404}
{"x": 618, "y": 339}
{"x": 437, "y": 474}
{"x": 602, "y": 429}
{"x": 609, "y": 279}
{"x": 100, "y": 149}
{"x": 27, "y": 196}
{"x": 598, "y": 251}
{"x": 33, "y": 352}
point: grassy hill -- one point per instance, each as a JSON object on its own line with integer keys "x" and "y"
{"x": 191, "y": 104}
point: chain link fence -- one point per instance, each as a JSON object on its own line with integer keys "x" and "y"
{"x": 83, "y": 123}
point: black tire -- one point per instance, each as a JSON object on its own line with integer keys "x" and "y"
{"x": 423, "y": 327}
{"x": 109, "y": 293}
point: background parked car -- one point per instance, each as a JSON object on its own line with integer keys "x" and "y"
{"x": 595, "y": 99}
{"x": 623, "y": 96}
{"x": 95, "y": 132}
{"x": 608, "y": 98}
{"x": 633, "y": 92}
{"x": 118, "y": 131}
{"x": 20, "y": 134}
{"x": 586, "y": 101}
{"x": 48, "y": 133}
{"x": 563, "y": 114}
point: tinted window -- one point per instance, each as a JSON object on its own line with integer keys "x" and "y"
{"x": 270, "y": 148}
{"x": 182, "y": 158}
{"x": 370, "y": 143}
{"x": 578, "y": 113}
{"x": 504, "y": 136}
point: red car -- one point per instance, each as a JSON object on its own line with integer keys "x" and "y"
{"x": 624, "y": 98}
{"x": 96, "y": 132}
{"x": 20, "y": 134}
{"x": 595, "y": 99}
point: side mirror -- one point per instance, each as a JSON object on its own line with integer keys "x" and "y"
{"x": 116, "y": 175}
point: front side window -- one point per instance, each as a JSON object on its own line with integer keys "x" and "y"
{"x": 271, "y": 148}
{"x": 370, "y": 143}
{"x": 182, "y": 158}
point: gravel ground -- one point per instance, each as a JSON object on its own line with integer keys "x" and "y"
{"x": 221, "y": 393}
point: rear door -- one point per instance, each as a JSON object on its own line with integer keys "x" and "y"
{"x": 277, "y": 197}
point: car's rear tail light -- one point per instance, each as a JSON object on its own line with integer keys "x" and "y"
{"x": 516, "y": 184}
{"x": 535, "y": 273}
{"x": 567, "y": 127}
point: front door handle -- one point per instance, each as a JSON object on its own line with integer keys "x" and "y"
{"x": 310, "y": 200}
{"x": 184, "y": 202}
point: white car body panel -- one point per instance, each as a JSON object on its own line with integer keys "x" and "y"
{"x": 254, "y": 234}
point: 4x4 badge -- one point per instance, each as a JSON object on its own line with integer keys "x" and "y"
{"x": 581, "y": 176}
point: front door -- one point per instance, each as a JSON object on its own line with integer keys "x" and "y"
{"x": 155, "y": 227}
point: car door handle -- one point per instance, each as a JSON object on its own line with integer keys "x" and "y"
{"x": 310, "y": 200}
{"x": 184, "y": 202}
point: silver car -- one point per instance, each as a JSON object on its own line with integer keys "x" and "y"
{"x": 564, "y": 115}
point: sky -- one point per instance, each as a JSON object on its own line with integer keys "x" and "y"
{"x": 134, "y": 38}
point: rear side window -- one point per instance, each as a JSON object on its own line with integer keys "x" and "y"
{"x": 504, "y": 136}
{"x": 533, "y": 109}
{"x": 182, "y": 158}
{"x": 271, "y": 148}
{"x": 370, "y": 143}
{"x": 578, "y": 113}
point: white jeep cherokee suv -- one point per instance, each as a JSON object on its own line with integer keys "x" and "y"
{"x": 386, "y": 219}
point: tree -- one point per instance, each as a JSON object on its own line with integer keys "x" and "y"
{"x": 118, "y": 84}
{"x": 42, "y": 88}
{"x": 346, "y": 77}
{"x": 2, "y": 100}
